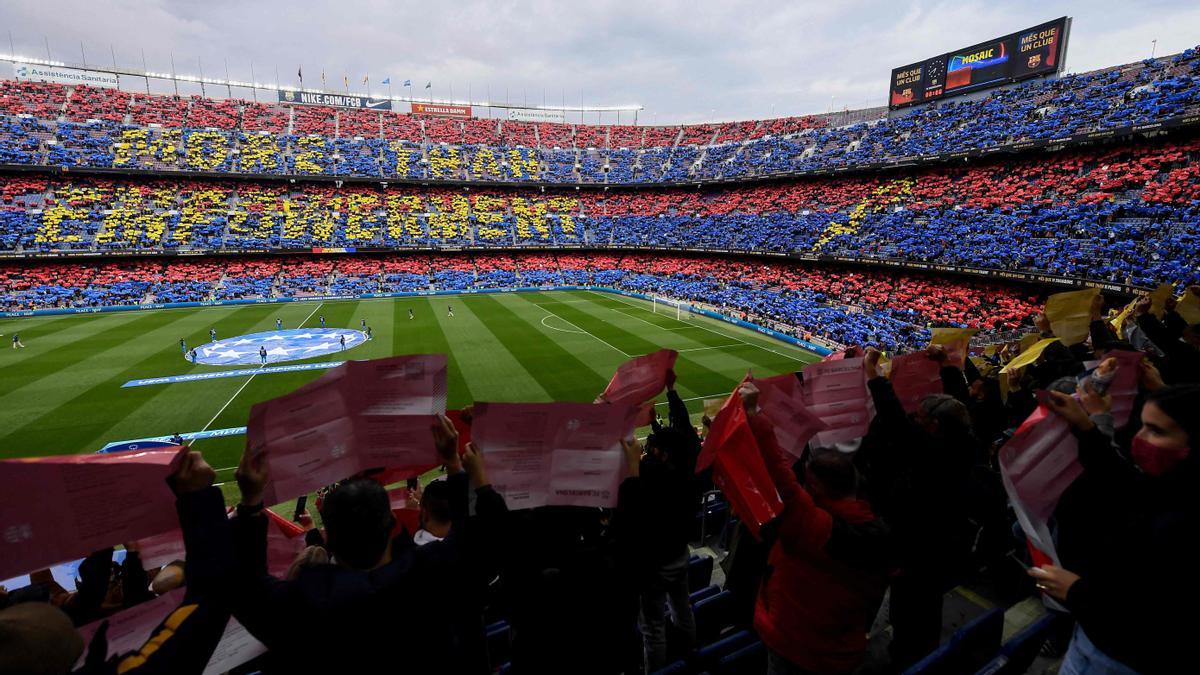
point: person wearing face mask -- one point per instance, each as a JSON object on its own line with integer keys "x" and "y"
{"x": 1133, "y": 594}
{"x": 918, "y": 470}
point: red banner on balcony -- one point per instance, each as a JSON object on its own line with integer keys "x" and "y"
{"x": 441, "y": 110}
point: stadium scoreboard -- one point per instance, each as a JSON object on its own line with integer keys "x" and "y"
{"x": 1027, "y": 53}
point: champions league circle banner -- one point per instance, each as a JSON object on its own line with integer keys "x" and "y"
{"x": 280, "y": 345}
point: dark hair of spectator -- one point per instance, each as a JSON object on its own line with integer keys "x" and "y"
{"x": 835, "y": 471}
{"x": 435, "y": 501}
{"x": 358, "y": 519}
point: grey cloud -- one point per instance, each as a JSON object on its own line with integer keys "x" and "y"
{"x": 686, "y": 61}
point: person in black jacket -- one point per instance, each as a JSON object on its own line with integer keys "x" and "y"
{"x": 661, "y": 506}
{"x": 1179, "y": 342}
{"x": 1133, "y": 589}
{"x": 918, "y": 472}
{"x": 185, "y": 641}
{"x": 378, "y": 600}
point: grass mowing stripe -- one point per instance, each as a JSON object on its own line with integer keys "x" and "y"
{"x": 35, "y": 330}
{"x": 74, "y": 425}
{"x": 662, "y": 333}
{"x": 226, "y": 451}
{"x": 82, "y": 342}
{"x": 90, "y": 367}
{"x": 490, "y": 371}
{"x": 729, "y": 332}
{"x": 693, "y": 376}
{"x": 559, "y": 372}
{"x": 423, "y": 334}
{"x": 600, "y": 357}
{"x": 251, "y": 378}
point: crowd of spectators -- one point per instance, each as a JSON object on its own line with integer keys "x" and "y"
{"x": 1126, "y": 214}
{"x": 929, "y": 496}
{"x": 843, "y": 306}
{"x": 55, "y": 125}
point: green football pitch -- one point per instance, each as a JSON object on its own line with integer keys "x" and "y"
{"x": 62, "y": 393}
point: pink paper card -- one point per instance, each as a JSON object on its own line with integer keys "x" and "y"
{"x": 565, "y": 454}
{"x": 836, "y": 392}
{"x": 61, "y": 508}
{"x": 361, "y": 415}
{"x": 642, "y": 378}
{"x": 915, "y": 376}
{"x": 781, "y": 400}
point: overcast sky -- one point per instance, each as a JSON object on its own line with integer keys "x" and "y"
{"x": 685, "y": 61}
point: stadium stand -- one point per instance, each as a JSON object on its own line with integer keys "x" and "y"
{"x": 930, "y": 498}
{"x": 1125, "y": 214}
{"x": 834, "y": 306}
{"x": 1142, "y": 94}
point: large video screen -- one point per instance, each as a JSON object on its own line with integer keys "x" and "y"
{"x": 1027, "y": 53}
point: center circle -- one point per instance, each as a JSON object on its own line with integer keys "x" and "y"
{"x": 281, "y": 345}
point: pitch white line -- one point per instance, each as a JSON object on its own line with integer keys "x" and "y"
{"x": 561, "y": 330}
{"x": 701, "y": 349}
{"x": 610, "y": 346}
{"x": 722, "y": 395}
{"x": 251, "y": 378}
{"x": 648, "y": 323}
{"x": 714, "y": 332}
{"x": 235, "y": 395}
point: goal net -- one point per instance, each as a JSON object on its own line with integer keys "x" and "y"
{"x": 674, "y": 308}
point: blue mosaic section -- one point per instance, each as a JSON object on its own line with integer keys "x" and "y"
{"x": 280, "y": 345}
{"x": 241, "y": 372}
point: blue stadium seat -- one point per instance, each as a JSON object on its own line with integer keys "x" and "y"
{"x": 499, "y": 643}
{"x": 749, "y": 660}
{"x": 714, "y": 616}
{"x": 677, "y": 668}
{"x": 1018, "y": 653}
{"x": 706, "y": 592}
{"x": 700, "y": 569}
{"x": 709, "y": 656}
{"x": 968, "y": 649}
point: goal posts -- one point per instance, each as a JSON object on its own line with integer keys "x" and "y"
{"x": 674, "y": 308}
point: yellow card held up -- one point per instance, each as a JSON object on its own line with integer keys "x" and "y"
{"x": 1070, "y": 313}
{"x": 1030, "y": 355}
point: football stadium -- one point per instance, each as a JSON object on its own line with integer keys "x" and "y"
{"x": 349, "y": 374}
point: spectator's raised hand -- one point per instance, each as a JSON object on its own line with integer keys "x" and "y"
{"x": 871, "y": 363}
{"x": 1066, "y": 407}
{"x": 1095, "y": 403}
{"x": 1097, "y": 307}
{"x": 1148, "y": 376}
{"x": 749, "y": 394}
{"x": 305, "y": 521}
{"x": 194, "y": 474}
{"x": 251, "y": 476}
{"x": 633, "y": 455}
{"x": 472, "y": 460}
{"x": 445, "y": 439}
{"x": 1053, "y": 581}
{"x": 1042, "y": 323}
{"x": 1141, "y": 305}
{"x": 671, "y": 379}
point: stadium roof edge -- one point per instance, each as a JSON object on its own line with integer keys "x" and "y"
{"x": 267, "y": 86}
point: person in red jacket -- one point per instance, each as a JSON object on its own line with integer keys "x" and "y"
{"x": 826, "y": 570}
